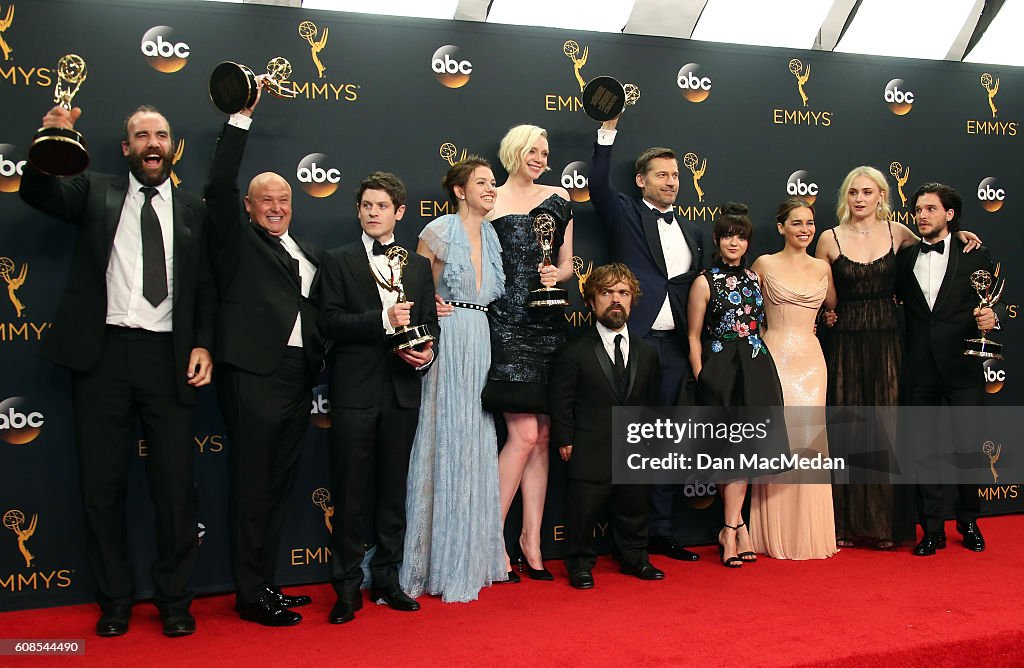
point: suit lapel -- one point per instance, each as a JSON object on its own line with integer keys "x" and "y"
{"x": 951, "y": 266}
{"x": 359, "y": 265}
{"x": 631, "y": 368}
{"x": 116, "y": 192}
{"x": 650, "y": 223}
{"x": 691, "y": 242}
{"x": 602, "y": 360}
{"x": 916, "y": 293}
{"x": 182, "y": 239}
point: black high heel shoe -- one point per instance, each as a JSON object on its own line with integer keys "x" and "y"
{"x": 729, "y": 562}
{"x": 542, "y": 574}
{"x": 749, "y": 556}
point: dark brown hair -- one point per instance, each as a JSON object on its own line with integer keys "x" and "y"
{"x": 459, "y": 175}
{"x": 608, "y": 275}
{"x": 385, "y": 181}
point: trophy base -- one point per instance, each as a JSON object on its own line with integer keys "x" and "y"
{"x": 548, "y": 297}
{"x": 603, "y": 99}
{"x": 984, "y": 348}
{"x": 58, "y": 152}
{"x": 410, "y": 336}
{"x": 233, "y": 87}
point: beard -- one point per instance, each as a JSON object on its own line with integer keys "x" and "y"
{"x": 613, "y": 317}
{"x": 137, "y": 166}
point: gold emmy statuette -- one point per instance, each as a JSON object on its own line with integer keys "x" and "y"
{"x": 62, "y": 151}
{"x": 234, "y": 87}
{"x": 990, "y": 289}
{"x": 604, "y": 98}
{"x": 308, "y": 31}
{"x": 406, "y": 336}
{"x": 544, "y": 228}
{"x": 14, "y": 519}
{"x": 581, "y": 276}
{"x": 992, "y": 451}
{"x": 321, "y": 499}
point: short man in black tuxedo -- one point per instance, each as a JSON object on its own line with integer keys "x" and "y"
{"x": 666, "y": 253}
{"x": 605, "y": 367}
{"x": 375, "y": 393}
{"x": 933, "y": 280}
{"x": 135, "y": 327}
{"x": 269, "y": 353}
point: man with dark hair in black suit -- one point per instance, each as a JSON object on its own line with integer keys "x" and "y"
{"x": 941, "y": 308}
{"x": 269, "y": 353}
{"x": 605, "y": 367}
{"x": 666, "y": 253}
{"x": 135, "y": 327}
{"x": 375, "y": 393}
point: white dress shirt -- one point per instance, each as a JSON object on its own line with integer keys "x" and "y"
{"x": 306, "y": 273}
{"x": 930, "y": 269}
{"x": 379, "y": 266}
{"x": 126, "y": 307}
{"x": 608, "y": 339}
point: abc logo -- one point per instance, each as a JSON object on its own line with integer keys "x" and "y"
{"x": 694, "y": 87}
{"x": 575, "y": 180}
{"x": 10, "y": 169}
{"x": 320, "y": 413}
{"x": 990, "y": 194}
{"x": 449, "y": 69}
{"x": 19, "y": 425}
{"x": 995, "y": 377}
{"x": 899, "y": 99}
{"x": 162, "y": 51}
{"x": 800, "y": 185}
{"x": 317, "y": 180}
{"x": 699, "y": 495}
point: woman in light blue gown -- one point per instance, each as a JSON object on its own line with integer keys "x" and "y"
{"x": 453, "y": 543}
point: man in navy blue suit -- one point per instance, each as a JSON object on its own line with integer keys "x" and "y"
{"x": 665, "y": 253}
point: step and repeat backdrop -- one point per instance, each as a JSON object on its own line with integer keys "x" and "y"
{"x": 412, "y": 97}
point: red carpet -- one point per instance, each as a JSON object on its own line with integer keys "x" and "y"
{"x": 860, "y": 608}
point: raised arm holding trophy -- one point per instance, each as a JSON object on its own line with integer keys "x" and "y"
{"x": 61, "y": 150}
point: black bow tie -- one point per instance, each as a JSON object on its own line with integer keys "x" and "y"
{"x": 937, "y": 247}
{"x": 667, "y": 217}
{"x": 381, "y": 249}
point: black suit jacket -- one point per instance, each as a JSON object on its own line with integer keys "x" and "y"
{"x": 350, "y": 318}
{"x": 93, "y": 203}
{"x": 582, "y": 396}
{"x": 935, "y": 337}
{"x": 632, "y": 229}
{"x": 259, "y": 285}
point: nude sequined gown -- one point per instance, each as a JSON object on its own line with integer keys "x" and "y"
{"x": 789, "y": 520}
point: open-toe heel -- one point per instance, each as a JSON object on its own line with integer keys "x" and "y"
{"x": 748, "y": 556}
{"x": 732, "y": 561}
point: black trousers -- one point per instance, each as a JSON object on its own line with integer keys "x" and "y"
{"x": 136, "y": 377}
{"x": 628, "y": 513}
{"x": 931, "y": 392}
{"x": 370, "y": 449}
{"x": 266, "y": 418}
{"x": 677, "y": 387}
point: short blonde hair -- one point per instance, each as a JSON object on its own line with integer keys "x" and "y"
{"x": 843, "y": 209}
{"x": 516, "y": 144}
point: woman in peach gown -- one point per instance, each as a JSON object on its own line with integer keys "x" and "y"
{"x": 791, "y": 514}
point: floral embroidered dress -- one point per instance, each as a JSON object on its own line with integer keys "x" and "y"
{"x": 736, "y": 367}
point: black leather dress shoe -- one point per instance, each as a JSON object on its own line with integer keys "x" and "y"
{"x": 177, "y": 624}
{"x": 973, "y": 540}
{"x": 395, "y": 599}
{"x": 645, "y": 571}
{"x": 114, "y": 621}
{"x": 929, "y": 543}
{"x": 667, "y": 546}
{"x": 268, "y": 612}
{"x": 288, "y": 601}
{"x": 581, "y": 579}
{"x": 344, "y": 610}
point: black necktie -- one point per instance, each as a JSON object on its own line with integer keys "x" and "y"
{"x": 291, "y": 258}
{"x": 667, "y": 217}
{"x": 937, "y": 247}
{"x": 620, "y": 366}
{"x": 381, "y": 249}
{"x": 154, "y": 269}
